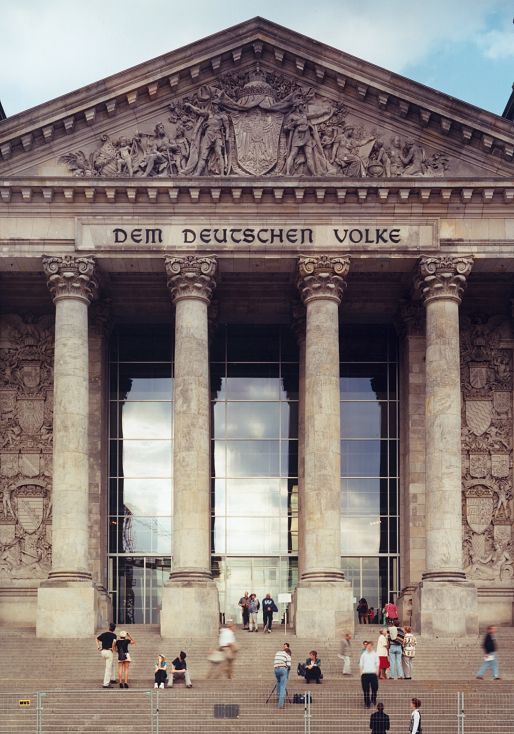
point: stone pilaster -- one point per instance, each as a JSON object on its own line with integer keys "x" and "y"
{"x": 68, "y": 601}
{"x": 298, "y": 326}
{"x": 445, "y": 604}
{"x": 323, "y": 597}
{"x": 191, "y": 282}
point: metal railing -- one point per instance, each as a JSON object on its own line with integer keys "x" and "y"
{"x": 315, "y": 711}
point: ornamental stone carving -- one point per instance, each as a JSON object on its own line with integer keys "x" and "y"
{"x": 322, "y": 277}
{"x": 26, "y": 413}
{"x": 486, "y": 379}
{"x": 442, "y": 277}
{"x": 191, "y": 277}
{"x": 71, "y": 277}
{"x": 257, "y": 123}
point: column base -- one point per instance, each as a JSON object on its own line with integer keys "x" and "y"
{"x": 324, "y": 610}
{"x": 190, "y": 609}
{"x": 445, "y": 608}
{"x": 71, "y": 609}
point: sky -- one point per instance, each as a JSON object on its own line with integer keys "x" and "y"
{"x": 464, "y": 48}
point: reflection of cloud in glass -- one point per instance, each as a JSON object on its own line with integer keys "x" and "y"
{"x": 148, "y": 496}
{"x": 260, "y": 496}
{"x": 360, "y": 535}
{"x": 253, "y": 458}
{"x": 253, "y": 420}
{"x": 253, "y": 388}
{"x": 146, "y": 420}
{"x": 147, "y": 458}
{"x": 147, "y": 535}
{"x": 360, "y": 496}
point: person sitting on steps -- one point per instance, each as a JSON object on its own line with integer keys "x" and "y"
{"x": 179, "y": 670}
{"x": 312, "y": 668}
{"x": 160, "y": 672}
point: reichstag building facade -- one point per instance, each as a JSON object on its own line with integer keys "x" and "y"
{"x": 255, "y": 334}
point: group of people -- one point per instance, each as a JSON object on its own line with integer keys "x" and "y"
{"x": 396, "y": 649}
{"x": 379, "y": 722}
{"x": 115, "y": 651}
{"x": 250, "y": 606}
{"x": 369, "y": 615}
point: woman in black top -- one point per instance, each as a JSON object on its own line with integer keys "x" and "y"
{"x": 379, "y": 721}
{"x": 121, "y": 647}
{"x": 362, "y": 611}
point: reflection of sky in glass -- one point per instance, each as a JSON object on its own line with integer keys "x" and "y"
{"x": 146, "y": 420}
{"x": 253, "y": 458}
{"x": 360, "y": 535}
{"x": 147, "y": 496}
{"x": 263, "y": 496}
{"x": 364, "y": 458}
{"x": 360, "y": 496}
{"x": 260, "y": 535}
{"x": 363, "y": 420}
{"x": 252, "y": 388}
{"x": 363, "y": 381}
{"x": 150, "y": 458}
{"x": 253, "y": 420}
{"x": 146, "y": 535}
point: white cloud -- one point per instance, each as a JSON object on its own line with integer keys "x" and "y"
{"x": 53, "y": 47}
{"x": 498, "y": 44}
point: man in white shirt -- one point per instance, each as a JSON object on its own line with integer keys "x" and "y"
{"x": 228, "y": 645}
{"x": 368, "y": 665}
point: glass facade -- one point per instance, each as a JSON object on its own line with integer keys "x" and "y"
{"x": 254, "y": 464}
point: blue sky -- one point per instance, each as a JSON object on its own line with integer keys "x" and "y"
{"x": 461, "y": 47}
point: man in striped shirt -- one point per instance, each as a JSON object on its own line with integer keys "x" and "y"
{"x": 281, "y": 665}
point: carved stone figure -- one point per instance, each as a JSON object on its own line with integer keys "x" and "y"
{"x": 212, "y": 139}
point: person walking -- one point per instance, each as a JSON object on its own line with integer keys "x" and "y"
{"x": 228, "y": 645}
{"x": 490, "y": 661}
{"x": 268, "y": 607}
{"x": 253, "y": 609}
{"x": 383, "y": 654}
{"x": 243, "y": 603}
{"x": 368, "y": 665}
{"x": 179, "y": 670}
{"x": 415, "y": 717}
{"x": 281, "y": 667}
{"x": 121, "y": 646}
{"x": 345, "y": 653}
{"x": 104, "y": 644}
{"x": 395, "y": 652}
{"x": 362, "y": 611}
{"x": 160, "y": 672}
{"x": 409, "y": 652}
{"x": 379, "y": 721}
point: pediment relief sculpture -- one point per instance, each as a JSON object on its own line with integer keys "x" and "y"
{"x": 258, "y": 123}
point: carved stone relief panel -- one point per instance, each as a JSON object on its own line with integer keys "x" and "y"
{"x": 258, "y": 123}
{"x": 486, "y": 374}
{"x": 26, "y": 413}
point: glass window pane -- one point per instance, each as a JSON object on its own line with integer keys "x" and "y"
{"x": 363, "y": 420}
{"x": 144, "y": 534}
{"x": 144, "y": 382}
{"x": 252, "y": 496}
{"x": 253, "y": 344}
{"x": 146, "y": 458}
{"x": 219, "y": 455}
{"x": 364, "y": 458}
{"x": 253, "y": 458}
{"x": 253, "y": 382}
{"x": 146, "y": 420}
{"x": 218, "y": 381}
{"x": 362, "y": 496}
{"x": 360, "y": 535}
{"x": 289, "y": 383}
{"x": 253, "y": 420}
{"x": 218, "y": 410}
{"x": 259, "y": 535}
{"x": 148, "y": 343}
{"x": 146, "y": 496}
{"x": 130, "y": 590}
{"x": 371, "y": 587}
{"x": 363, "y": 381}
{"x": 289, "y": 458}
{"x": 289, "y": 420}
{"x": 218, "y": 506}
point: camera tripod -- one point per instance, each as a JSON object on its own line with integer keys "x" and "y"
{"x": 273, "y": 691}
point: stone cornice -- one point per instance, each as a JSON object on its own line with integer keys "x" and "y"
{"x": 322, "y": 277}
{"x": 442, "y": 277}
{"x": 467, "y": 192}
{"x": 259, "y": 40}
{"x": 191, "y": 277}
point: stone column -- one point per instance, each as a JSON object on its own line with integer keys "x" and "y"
{"x": 323, "y": 597}
{"x": 445, "y": 603}
{"x": 68, "y": 601}
{"x": 190, "y": 599}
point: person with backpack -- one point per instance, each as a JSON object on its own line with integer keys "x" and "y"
{"x": 268, "y": 608}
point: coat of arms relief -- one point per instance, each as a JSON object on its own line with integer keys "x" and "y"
{"x": 486, "y": 372}
{"x": 26, "y": 410}
{"x": 257, "y": 123}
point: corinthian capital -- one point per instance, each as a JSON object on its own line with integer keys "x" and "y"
{"x": 71, "y": 277}
{"x": 191, "y": 277}
{"x": 443, "y": 277}
{"x": 322, "y": 277}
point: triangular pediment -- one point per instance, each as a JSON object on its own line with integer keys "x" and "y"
{"x": 256, "y": 100}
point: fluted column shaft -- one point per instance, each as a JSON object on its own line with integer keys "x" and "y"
{"x": 73, "y": 286}
{"x": 321, "y": 283}
{"x": 191, "y": 283}
{"x": 441, "y": 281}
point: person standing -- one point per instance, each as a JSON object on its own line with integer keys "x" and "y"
{"x": 288, "y": 651}
{"x": 281, "y": 666}
{"x": 368, "y": 665}
{"x": 121, "y": 645}
{"x": 415, "y": 717}
{"x": 490, "y": 661}
{"x": 395, "y": 652}
{"x": 243, "y": 603}
{"x": 379, "y": 721}
{"x": 383, "y": 654}
{"x": 104, "y": 644}
{"x": 409, "y": 651}
{"x": 179, "y": 670}
{"x": 268, "y": 607}
{"x": 345, "y": 653}
{"x": 362, "y": 611}
{"x": 253, "y": 609}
